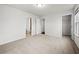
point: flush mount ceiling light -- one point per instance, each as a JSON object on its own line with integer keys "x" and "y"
{"x": 39, "y": 5}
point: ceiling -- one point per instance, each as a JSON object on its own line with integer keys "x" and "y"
{"x": 48, "y": 9}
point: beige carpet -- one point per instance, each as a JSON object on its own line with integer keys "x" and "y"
{"x": 39, "y": 44}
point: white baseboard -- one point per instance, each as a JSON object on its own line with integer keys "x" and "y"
{"x": 8, "y": 41}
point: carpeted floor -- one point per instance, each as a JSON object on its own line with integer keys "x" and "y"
{"x": 40, "y": 44}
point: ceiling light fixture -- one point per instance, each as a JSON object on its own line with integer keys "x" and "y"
{"x": 39, "y": 5}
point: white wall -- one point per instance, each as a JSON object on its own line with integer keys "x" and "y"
{"x": 12, "y": 23}
{"x": 38, "y": 26}
{"x": 53, "y": 23}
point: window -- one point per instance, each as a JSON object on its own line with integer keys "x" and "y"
{"x": 77, "y": 24}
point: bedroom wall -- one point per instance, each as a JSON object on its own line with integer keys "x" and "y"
{"x": 53, "y": 23}
{"x": 13, "y": 23}
{"x": 38, "y": 25}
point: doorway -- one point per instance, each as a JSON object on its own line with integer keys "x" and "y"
{"x": 29, "y": 26}
{"x": 66, "y": 25}
{"x": 43, "y": 26}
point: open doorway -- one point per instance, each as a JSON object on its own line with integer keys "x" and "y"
{"x": 43, "y": 26}
{"x": 66, "y": 25}
{"x": 29, "y": 26}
